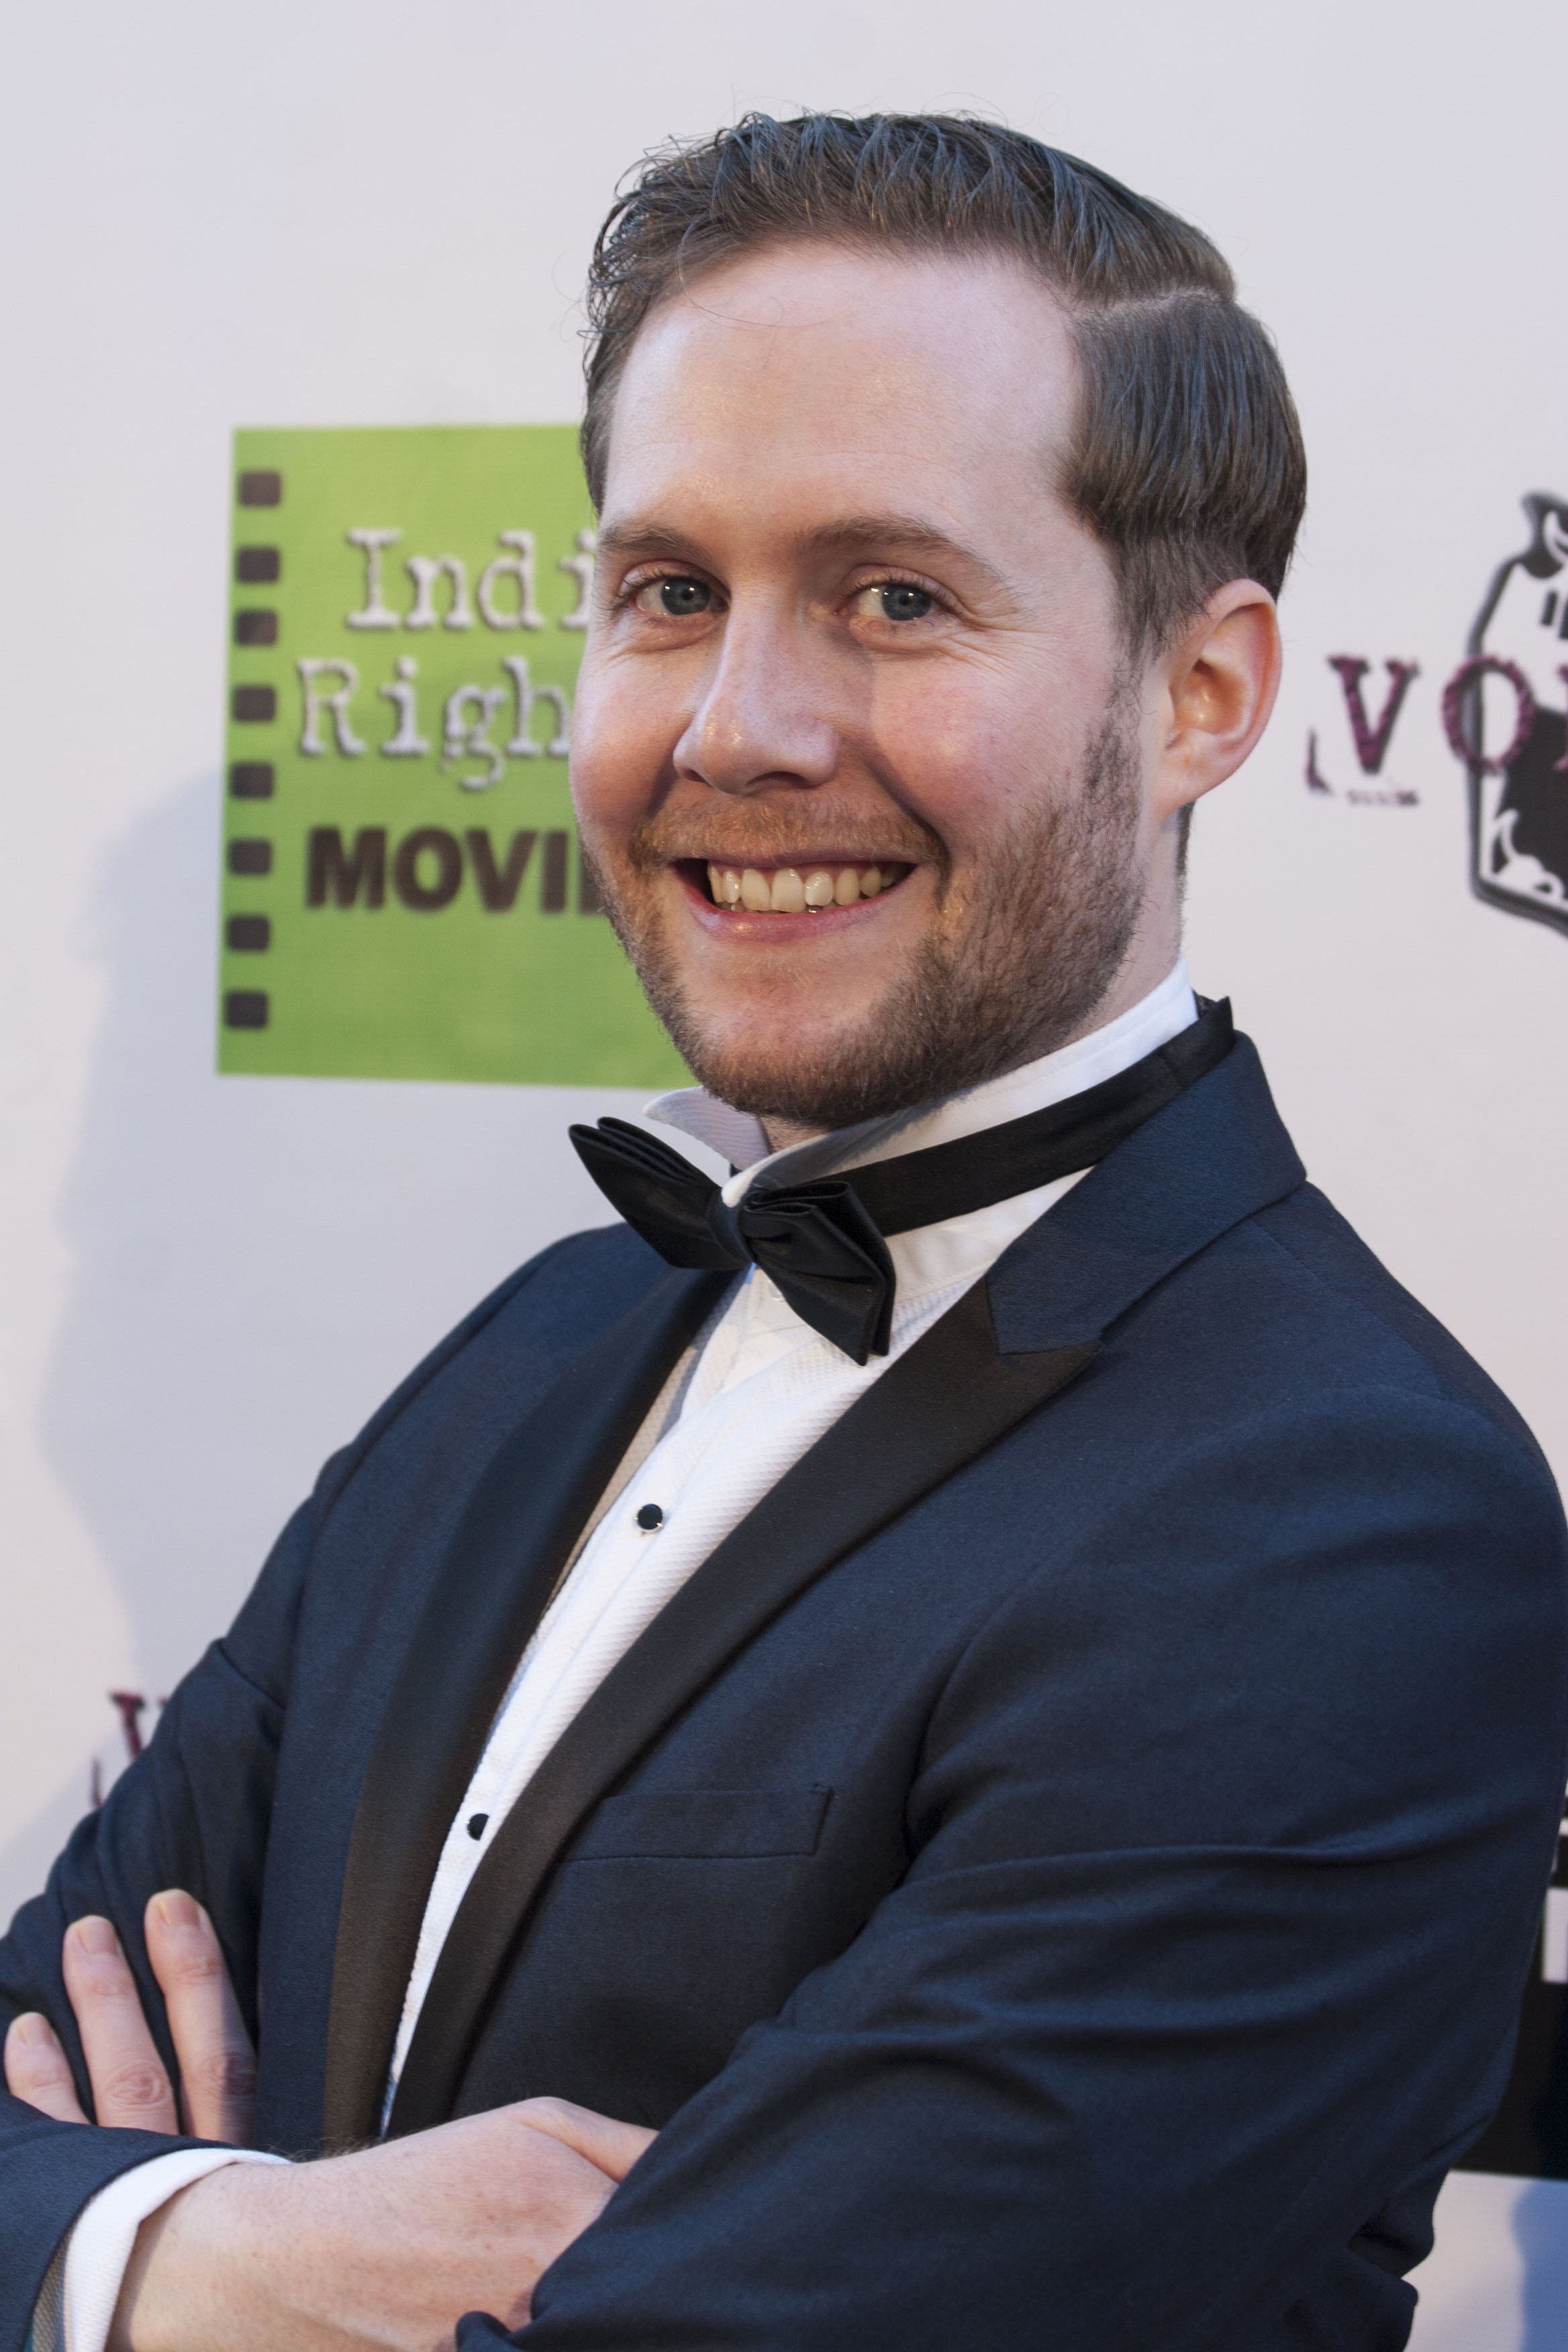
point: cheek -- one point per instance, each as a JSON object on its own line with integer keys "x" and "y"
{"x": 621, "y": 743}
{"x": 969, "y": 748}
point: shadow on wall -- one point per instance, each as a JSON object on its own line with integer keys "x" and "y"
{"x": 147, "y": 1416}
{"x": 120, "y": 1411}
{"x": 256, "y": 1261}
{"x": 1538, "y": 2224}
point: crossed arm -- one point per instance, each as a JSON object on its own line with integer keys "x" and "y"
{"x": 388, "y": 2246}
{"x": 1164, "y": 2027}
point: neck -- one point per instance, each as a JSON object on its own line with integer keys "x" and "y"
{"x": 782, "y": 1133}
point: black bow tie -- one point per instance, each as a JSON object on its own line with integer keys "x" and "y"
{"x": 824, "y": 1243}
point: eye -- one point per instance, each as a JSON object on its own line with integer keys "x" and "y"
{"x": 676, "y": 597}
{"x": 902, "y": 600}
{"x": 894, "y": 600}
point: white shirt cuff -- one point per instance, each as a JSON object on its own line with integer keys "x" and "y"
{"x": 76, "y": 2303}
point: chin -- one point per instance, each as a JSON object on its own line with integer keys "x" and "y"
{"x": 814, "y": 1074}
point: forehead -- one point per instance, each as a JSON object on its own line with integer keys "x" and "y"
{"x": 819, "y": 372}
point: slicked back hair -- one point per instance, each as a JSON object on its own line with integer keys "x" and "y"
{"x": 1186, "y": 457}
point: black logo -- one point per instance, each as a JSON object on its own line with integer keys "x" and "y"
{"x": 1506, "y": 714}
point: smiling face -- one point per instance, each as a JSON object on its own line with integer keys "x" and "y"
{"x": 877, "y": 806}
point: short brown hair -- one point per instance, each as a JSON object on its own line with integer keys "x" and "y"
{"x": 1187, "y": 460}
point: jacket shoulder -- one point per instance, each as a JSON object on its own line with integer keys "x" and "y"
{"x": 521, "y": 1334}
{"x": 1354, "y": 1285}
{"x": 404, "y": 1479}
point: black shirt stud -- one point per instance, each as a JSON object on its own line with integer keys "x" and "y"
{"x": 650, "y": 1516}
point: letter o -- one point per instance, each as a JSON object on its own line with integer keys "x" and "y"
{"x": 1465, "y": 676}
{"x": 427, "y": 898}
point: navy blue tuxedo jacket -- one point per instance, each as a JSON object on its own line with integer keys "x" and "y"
{"x": 1061, "y": 1872}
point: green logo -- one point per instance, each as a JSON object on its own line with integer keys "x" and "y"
{"x": 403, "y": 892}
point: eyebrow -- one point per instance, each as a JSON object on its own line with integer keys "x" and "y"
{"x": 909, "y": 535}
{"x": 636, "y": 538}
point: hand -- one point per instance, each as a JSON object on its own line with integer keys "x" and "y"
{"x": 385, "y": 2248}
{"x": 130, "y": 2086}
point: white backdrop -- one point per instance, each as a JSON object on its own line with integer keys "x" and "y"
{"x": 372, "y": 211}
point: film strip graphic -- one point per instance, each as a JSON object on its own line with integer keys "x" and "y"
{"x": 251, "y": 703}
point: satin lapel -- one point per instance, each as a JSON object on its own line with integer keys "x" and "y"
{"x": 502, "y": 1564}
{"x": 1216, "y": 1155}
{"x": 938, "y": 1406}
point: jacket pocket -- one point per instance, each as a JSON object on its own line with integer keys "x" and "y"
{"x": 705, "y": 1825}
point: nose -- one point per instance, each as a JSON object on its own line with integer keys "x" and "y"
{"x": 760, "y": 722}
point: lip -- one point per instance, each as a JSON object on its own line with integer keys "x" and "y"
{"x": 746, "y": 928}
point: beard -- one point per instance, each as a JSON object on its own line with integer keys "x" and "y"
{"x": 1013, "y": 967}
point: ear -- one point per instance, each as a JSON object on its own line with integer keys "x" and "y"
{"x": 1216, "y": 691}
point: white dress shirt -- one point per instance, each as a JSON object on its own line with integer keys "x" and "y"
{"x": 751, "y": 1395}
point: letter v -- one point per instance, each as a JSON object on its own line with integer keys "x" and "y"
{"x": 1372, "y": 741}
{"x": 499, "y": 886}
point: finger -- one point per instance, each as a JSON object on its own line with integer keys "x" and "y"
{"x": 613, "y": 2147}
{"x": 130, "y": 2087}
{"x": 36, "y": 2069}
{"x": 217, "y": 2063}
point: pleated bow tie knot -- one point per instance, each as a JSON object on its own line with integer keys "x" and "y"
{"x": 824, "y": 1244}
{"x": 816, "y": 1241}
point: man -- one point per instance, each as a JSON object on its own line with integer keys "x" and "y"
{"x": 974, "y": 1765}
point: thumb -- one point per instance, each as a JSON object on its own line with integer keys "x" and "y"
{"x": 614, "y": 2148}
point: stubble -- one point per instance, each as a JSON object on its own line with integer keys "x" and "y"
{"x": 1014, "y": 967}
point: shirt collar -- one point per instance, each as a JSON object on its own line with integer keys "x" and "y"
{"x": 738, "y": 1137}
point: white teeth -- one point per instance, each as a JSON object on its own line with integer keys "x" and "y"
{"x": 783, "y": 891}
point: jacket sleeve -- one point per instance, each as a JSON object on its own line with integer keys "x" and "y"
{"x": 1230, "y": 1844}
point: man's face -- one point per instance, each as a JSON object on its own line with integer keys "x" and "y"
{"x": 855, "y": 754}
